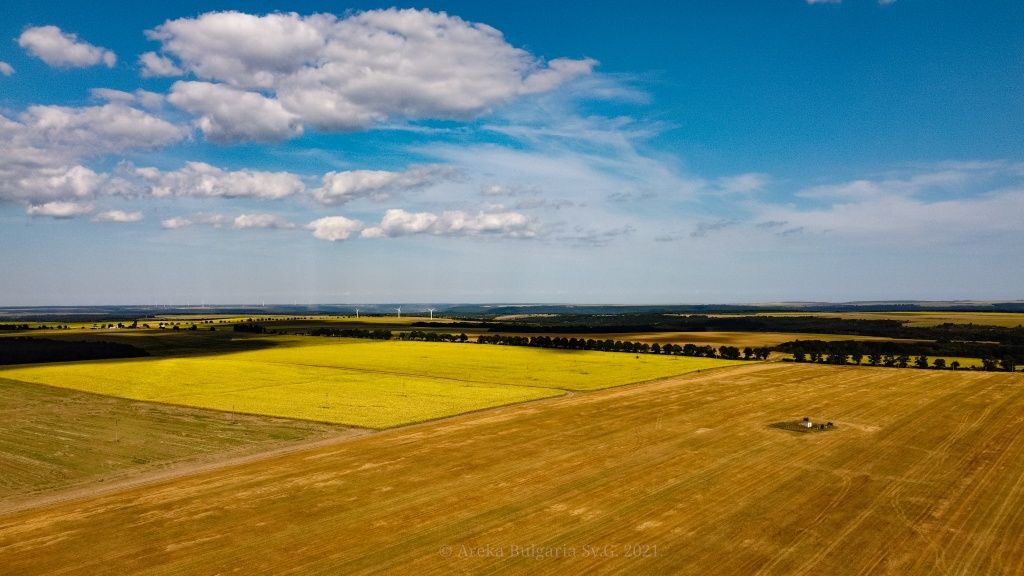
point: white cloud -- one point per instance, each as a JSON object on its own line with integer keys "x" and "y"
{"x": 111, "y": 95}
{"x": 908, "y": 219}
{"x": 175, "y": 223}
{"x": 398, "y": 222}
{"x": 244, "y": 221}
{"x": 334, "y": 228}
{"x": 59, "y": 209}
{"x": 240, "y": 222}
{"x": 94, "y": 130}
{"x": 341, "y": 187}
{"x": 119, "y": 216}
{"x": 349, "y": 73}
{"x": 214, "y": 220}
{"x": 155, "y": 66}
{"x": 150, "y": 100}
{"x": 742, "y": 183}
{"x": 61, "y": 49}
{"x": 229, "y": 114}
{"x": 6, "y": 69}
{"x": 939, "y": 178}
{"x": 42, "y": 152}
{"x": 198, "y": 179}
{"x": 44, "y": 184}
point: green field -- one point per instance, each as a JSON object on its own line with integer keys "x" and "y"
{"x": 361, "y": 383}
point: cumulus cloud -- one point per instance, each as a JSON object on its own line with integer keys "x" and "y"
{"x": 175, "y": 223}
{"x": 334, "y": 228}
{"x": 341, "y": 187}
{"x": 240, "y": 222}
{"x": 198, "y": 179}
{"x": 244, "y": 221}
{"x": 61, "y": 49}
{"x": 6, "y": 69}
{"x": 118, "y": 216}
{"x": 42, "y": 152}
{"x": 397, "y": 222}
{"x": 95, "y": 130}
{"x": 344, "y": 74}
{"x": 59, "y": 210}
{"x": 229, "y": 114}
{"x": 155, "y": 66}
{"x": 75, "y": 182}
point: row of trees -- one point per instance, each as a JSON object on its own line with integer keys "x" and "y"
{"x": 352, "y": 333}
{"x": 432, "y": 336}
{"x": 887, "y": 354}
{"x": 20, "y": 327}
{"x": 608, "y": 345}
{"x": 726, "y": 352}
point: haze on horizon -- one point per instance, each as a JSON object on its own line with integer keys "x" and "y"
{"x": 311, "y": 152}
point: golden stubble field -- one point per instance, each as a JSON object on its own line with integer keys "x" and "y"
{"x": 924, "y": 474}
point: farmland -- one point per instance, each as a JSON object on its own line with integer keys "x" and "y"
{"x": 53, "y": 438}
{"x": 923, "y": 474}
{"x": 359, "y": 383}
{"x": 922, "y": 319}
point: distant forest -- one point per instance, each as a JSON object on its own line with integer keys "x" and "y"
{"x": 592, "y": 324}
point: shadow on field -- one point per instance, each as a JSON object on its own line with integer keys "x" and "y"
{"x": 150, "y": 343}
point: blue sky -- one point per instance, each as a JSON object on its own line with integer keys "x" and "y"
{"x": 644, "y": 152}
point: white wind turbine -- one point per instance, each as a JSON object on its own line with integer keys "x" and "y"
{"x": 431, "y": 310}
{"x": 399, "y": 310}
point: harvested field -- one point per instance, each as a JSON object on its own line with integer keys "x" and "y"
{"x": 924, "y": 474}
{"x": 1004, "y": 319}
{"x": 52, "y": 437}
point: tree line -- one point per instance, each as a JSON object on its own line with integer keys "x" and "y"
{"x": 609, "y": 345}
{"x": 902, "y": 354}
{"x": 583, "y": 324}
{"x": 352, "y": 333}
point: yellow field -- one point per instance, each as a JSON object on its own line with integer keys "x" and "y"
{"x": 923, "y": 474}
{"x": 361, "y": 383}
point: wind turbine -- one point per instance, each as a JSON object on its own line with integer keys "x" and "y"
{"x": 399, "y": 309}
{"x": 431, "y": 310}
{"x": 357, "y": 312}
